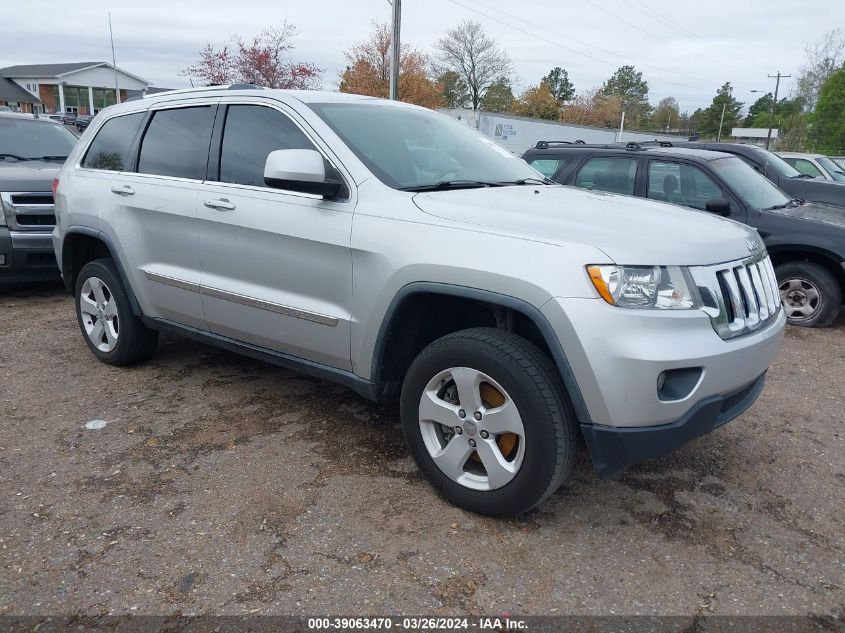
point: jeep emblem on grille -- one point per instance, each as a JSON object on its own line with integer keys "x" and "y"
{"x": 752, "y": 245}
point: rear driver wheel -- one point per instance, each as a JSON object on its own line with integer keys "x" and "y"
{"x": 113, "y": 333}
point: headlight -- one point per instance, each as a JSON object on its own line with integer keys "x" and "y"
{"x": 660, "y": 287}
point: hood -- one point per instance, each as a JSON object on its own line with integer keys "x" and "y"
{"x": 815, "y": 211}
{"x": 29, "y": 175}
{"x": 629, "y": 230}
{"x": 822, "y": 191}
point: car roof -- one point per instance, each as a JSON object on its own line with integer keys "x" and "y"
{"x": 134, "y": 104}
{"x": 686, "y": 152}
{"x": 23, "y": 116}
{"x": 799, "y": 155}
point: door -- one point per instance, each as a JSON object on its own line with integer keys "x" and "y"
{"x": 609, "y": 173}
{"x": 156, "y": 216}
{"x": 277, "y": 266}
{"x": 688, "y": 185}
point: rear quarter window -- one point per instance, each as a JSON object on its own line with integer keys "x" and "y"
{"x": 110, "y": 148}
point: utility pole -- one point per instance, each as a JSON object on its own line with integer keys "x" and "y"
{"x": 114, "y": 63}
{"x": 774, "y": 103}
{"x": 621, "y": 127}
{"x": 394, "y": 49}
{"x": 721, "y": 121}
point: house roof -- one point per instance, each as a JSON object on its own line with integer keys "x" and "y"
{"x": 10, "y": 91}
{"x": 56, "y": 70}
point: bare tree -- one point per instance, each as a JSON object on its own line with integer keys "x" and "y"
{"x": 824, "y": 57}
{"x": 475, "y": 56}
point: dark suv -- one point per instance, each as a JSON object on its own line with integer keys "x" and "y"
{"x": 790, "y": 180}
{"x": 806, "y": 240}
{"x": 31, "y": 153}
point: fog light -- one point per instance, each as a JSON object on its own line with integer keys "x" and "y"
{"x": 677, "y": 384}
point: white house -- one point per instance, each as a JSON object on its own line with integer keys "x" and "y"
{"x": 79, "y": 87}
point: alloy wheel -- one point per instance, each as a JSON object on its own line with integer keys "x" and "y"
{"x": 472, "y": 428}
{"x": 99, "y": 314}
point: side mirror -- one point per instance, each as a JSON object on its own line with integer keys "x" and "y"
{"x": 719, "y": 206}
{"x": 299, "y": 170}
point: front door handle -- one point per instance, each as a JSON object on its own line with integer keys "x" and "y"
{"x": 221, "y": 204}
{"x": 123, "y": 190}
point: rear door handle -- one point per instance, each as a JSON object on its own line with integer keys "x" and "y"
{"x": 123, "y": 190}
{"x": 220, "y": 204}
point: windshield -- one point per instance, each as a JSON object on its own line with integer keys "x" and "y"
{"x": 835, "y": 171}
{"x": 776, "y": 163}
{"x": 755, "y": 191}
{"x": 413, "y": 148}
{"x": 27, "y": 139}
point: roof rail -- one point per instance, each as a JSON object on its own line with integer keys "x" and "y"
{"x": 547, "y": 144}
{"x": 635, "y": 145}
{"x": 205, "y": 89}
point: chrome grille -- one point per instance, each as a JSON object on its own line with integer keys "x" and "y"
{"x": 740, "y": 296}
{"x": 29, "y": 210}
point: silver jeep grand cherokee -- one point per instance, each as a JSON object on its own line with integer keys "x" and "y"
{"x": 400, "y": 253}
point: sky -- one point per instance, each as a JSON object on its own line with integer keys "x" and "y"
{"x": 684, "y": 49}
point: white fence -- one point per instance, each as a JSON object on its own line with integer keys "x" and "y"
{"x": 517, "y": 133}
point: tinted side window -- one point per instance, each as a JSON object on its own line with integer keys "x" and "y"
{"x": 250, "y": 134}
{"x": 681, "y": 184}
{"x": 176, "y": 143}
{"x": 110, "y": 148}
{"x": 549, "y": 166}
{"x": 615, "y": 175}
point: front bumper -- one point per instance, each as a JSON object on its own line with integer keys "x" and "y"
{"x": 619, "y": 356}
{"x": 615, "y": 449}
{"x": 26, "y": 256}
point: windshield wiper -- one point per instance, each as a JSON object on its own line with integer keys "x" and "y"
{"x": 530, "y": 181}
{"x": 15, "y": 156}
{"x": 795, "y": 202}
{"x": 451, "y": 184}
{"x": 50, "y": 157}
{"x": 803, "y": 176}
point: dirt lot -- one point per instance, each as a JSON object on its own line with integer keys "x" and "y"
{"x": 224, "y": 485}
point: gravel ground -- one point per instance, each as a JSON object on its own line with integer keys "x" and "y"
{"x": 223, "y": 485}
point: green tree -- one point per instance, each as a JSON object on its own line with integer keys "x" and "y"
{"x": 667, "y": 114}
{"x": 761, "y": 106}
{"x": 537, "y": 102}
{"x": 559, "y": 85}
{"x": 498, "y": 97}
{"x": 828, "y": 118}
{"x": 455, "y": 90}
{"x": 711, "y": 115}
{"x": 628, "y": 84}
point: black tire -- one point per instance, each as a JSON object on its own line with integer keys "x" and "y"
{"x": 135, "y": 342}
{"x": 825, "y": 284}
{"x": 534, "y": 385}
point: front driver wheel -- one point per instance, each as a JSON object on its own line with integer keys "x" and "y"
{"x": 487, "y": 421}
{"x": 810, "y": 295}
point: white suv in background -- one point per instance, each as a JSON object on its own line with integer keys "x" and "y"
{"x": 815, "y": 165}
{"x": 403, "y": 254}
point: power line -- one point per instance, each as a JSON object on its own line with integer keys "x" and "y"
{"x": 570, "y": 37}
{"x": 685, "y": 31}
{"x": 559, "y": 45}
{"x": 646, "y": 31}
